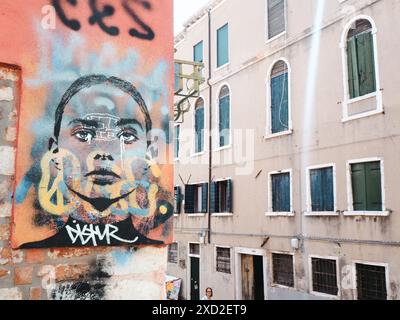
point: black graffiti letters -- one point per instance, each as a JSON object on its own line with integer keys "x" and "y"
{"x": 98, "y": 16}
{"x": 100, "y": 13}
{"x": 73, "y": 24}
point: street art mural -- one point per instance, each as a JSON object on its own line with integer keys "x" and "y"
{"x": 93, "y": 152}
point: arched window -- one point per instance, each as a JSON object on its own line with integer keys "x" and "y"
{"x": 224, "y": 116}
{"x": 279, "y": 98}
{"x": 360, "y": 59}
{"x": 199, "y": 126}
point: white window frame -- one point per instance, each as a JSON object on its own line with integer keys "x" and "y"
{"x": 177, "y": 253}
{"x": 194, "y": 153}
{"x": 218, "y": 148}
{"x": 309, "y": 211}
{"x": 196, "y": 214}
{"x": 216, "y": 48}
{"x": 321, "y": 294}
{"x": 350, "y": 208}
{"x": 223, "y": 214}
{"x": 378, "y": 93}
{"x": 268, "y": 128}
{"x": 230, "y": 259}
{"x": 277, "y": 285}
{"x": 377, "y": 264}
{"x": 179, "y": 141}
{"x": 270, "y": 212}
{"x": 189, "y": 268}
{"x": 267, "y": 39}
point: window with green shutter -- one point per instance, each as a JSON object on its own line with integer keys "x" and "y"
{"x": 276, "y": 17}
{"x": 221, "y": 196}
{"x": 196, "y": 198}
{"x": 222, "y": 46}
{"x": 280, "y": 188}
{"x": 322, "y": 189}
{"x": 198, "y": 52}
{"x": 178, "y": 197}
{"x": 224, "y": 117}
{"x": 199, "y": 126}
{"x": 366, "y": 184}
{"x": 360, "y": 59}
{"x": 279, "y": 98}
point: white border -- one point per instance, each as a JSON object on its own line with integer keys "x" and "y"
{"x": 350, "y": 208}
{"x": 310, "y": 278}
{"x": 216, "y": 140}
{"x": 378, "y": 93}
{"x": 268, "y": 128}
{"x": 309, "y": 211}
{"x": 277, "y": 285}
{"x": 270, "y": 212}
{"x": 377, "y": 264}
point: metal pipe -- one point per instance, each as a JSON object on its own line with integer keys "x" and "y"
{"x": 209, "y": 128}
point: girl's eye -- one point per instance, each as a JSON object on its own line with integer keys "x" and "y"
{"x": 84, "y": 136}
{"x": 128, "y": 137}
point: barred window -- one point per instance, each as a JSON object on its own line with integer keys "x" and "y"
{"x": 371, "y": 282}
{"x": 173, "y": 253}
{"x": 224, "y": 260}
{"x": 283, "y": 269}
{"x": 324, "y": 276}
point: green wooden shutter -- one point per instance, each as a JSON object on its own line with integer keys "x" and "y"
{"x": 373, "y": 186}
{"x": 322, "y": 197}
{"x": 214, "y": 198}
{"x": 190, "y": 198}
{"x": 178, "y": 199}
{"x": 204, "y": 197}
{"x": 222, "y": 46}
{"x": 229, "y": 194}
{"x": 199, "y": 130}
{"x": 224, "y": 121}
{"x": 177, "y": 137}
{"x": 279, "y": 103}
{"x": 354, "y": 87}
{"x": 358, "y": 186}
{"x": 198, "y": 52}
{"x": 281, "y": 192}
{"x": 366, "y": 63}
{"x": 276, "y": 17}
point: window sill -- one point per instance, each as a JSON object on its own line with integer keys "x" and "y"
{"x": 193, "y": 215}
{"x": 281, "y": 286}
{"x": 325, "y": 295}
{"x": 385, "y": 213}
{"x": 322, "y": 213}
{"x": 223, "y": 148}
{"x": 279, "y": 134}
{"x": 222, "y": 67}
{"x": 194, "y": 155}
{"x": 279, "y": 214}
{"x": 275, "y": 37}
{"x": 222, "y": 214}
{"x": 362, "y": 115}
{"x": 361, "y": 98}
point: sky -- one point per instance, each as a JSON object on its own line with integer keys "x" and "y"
{"x": 183, "y": 10}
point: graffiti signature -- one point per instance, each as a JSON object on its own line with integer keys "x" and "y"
{"x": 99, "y": 16}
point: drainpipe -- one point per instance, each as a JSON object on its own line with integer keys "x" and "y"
{"x": 210, "y": 127}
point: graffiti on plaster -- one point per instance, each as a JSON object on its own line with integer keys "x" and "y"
{"x": 101, "y": 13}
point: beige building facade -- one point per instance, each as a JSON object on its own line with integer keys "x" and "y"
{"x": 311, "y": 209}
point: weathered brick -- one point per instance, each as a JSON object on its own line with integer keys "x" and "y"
{"x": 35, "y": 255}
{"x": 11, "y": 134}
{"x": 35, "y": 294}
{"x": 69, "y": 252}
{"x": 66, "y": 272}
{"x": 6, "y": 94}
{"x": 17, "y": 256}
{"x": 23, "y": 275}
{"x": 5, "y": 256}
{"x": 7, "y": 156}
{"x": 4, "y": 232}
{"x": 10, "y": 294}
{"x": 4, "y": 273}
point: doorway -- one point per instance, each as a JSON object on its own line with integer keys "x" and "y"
{"x": 194, "y": 278}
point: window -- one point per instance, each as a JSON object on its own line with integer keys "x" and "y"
{"x": 322, "y": 189}
{"x": 198, "y": 52}
{"x": 194, "y": 249}
{"x": 282, "y": 265}
{"x": 371, "y": 282}
{"x": 366, "y": 183}
{"x": 196, "y": 198}
{"x": 176, "y": 140}
{"x": 221, "y": 197}
{"x": 279, "y": 98}
{"x": 178, "y": 197}
{"x": 173, "y": 253}
{"x": 360, "y": 59}
{"x": 223, "y": 260}
{"x": 224, "y": 117}
{"x": 177, "y": 78}
{"x": 276, "y": 17}
{"x": 222, "y": 46}
{"x": 280, "y": 192}
{"x": 324, "y": 276}
{"x": 199, "y": 126}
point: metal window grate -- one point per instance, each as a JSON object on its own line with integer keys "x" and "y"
{"x": 173, "y": 253}
{"x": 324, "y": 276}
{"x": 224, "y": 260}
{"x": 371, "y": 282}
{"x": 283, "y": 269}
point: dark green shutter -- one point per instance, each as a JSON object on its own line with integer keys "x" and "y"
{"x": 322, "y": 197}
{"x": 177, "y": 137}
{"x": 358, "y": 186}
{"x": 222, "y": 46}
{"x": 354, "y": 86}
{"x": 198, "y": 52}
{"x": 204, "y": 197}
{"x": 373, "y": 186}
{"x": 199, "y": 130}
{"x": 366, "y": 64}
{"x": 214, "y": 198}
{"x": 178, "y": 199}
{"x": 190, "y": 198}
{"x": 281, "y": 192}
{"x": 224, "y": 121}
{"x": 279, "y": 103}
{"x": 276, "y": 17}
{"x": 229, "y": 194}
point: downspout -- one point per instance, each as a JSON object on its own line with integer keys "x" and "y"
{"x": 210, "y": 128}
